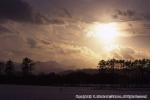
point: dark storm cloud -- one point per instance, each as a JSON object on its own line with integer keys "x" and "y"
{"x": 146, "y": 25}
{"x": 126, "y": 15}
{"x": 147, "y": 16}
{"x": 131, "y": 15}
{"x": 66, "y": 12}
{"x": 15, "y": 10}
{"x": 21, "y": 11}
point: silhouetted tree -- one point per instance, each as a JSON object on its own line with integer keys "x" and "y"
{"x": 112, "y": 63}
{"x": 121, "y": 62}
{"x": 148, "y": 64}
{"x": 9, "y": 70}
{"x": 101, "y": 65}
{"x": 27, "y": 66}
{"x": 128, "y": 65}
{"x": 2, "y": 65}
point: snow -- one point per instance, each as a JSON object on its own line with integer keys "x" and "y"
{"x": 14, "y": 92}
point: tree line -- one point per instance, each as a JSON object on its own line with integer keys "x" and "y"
{"x": 111, "y": 71}
{"x": 8, "y": 67}
{"x": 125, "y": 71}
{"x": 113, "y": 64}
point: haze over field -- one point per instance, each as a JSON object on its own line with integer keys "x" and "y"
{"x": 74, "y": 32}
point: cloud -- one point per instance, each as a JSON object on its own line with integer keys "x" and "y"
{"x": 126, "y": 15}
{"x": 56, "y": 30}
{"x": 66, "y": 12}
{"x": 131, "y": 15}
{"x": 128, "y": 53}
{"x": 46, "y": 42}
{"x": 15, "y": 10}
{"x": 21, "y": 11}
{"x": 137, "y": 21}
{"x": 4, "y": 30}
{"x": 32, "y": 43}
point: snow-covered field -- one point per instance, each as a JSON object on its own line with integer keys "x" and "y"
{"x": 12, "y": 92}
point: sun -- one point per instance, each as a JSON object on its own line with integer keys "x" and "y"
{"x": 106, "y": 35}
{"x": 107, "y": 32}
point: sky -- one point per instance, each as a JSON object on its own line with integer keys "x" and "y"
{"x": 65, "y": 30}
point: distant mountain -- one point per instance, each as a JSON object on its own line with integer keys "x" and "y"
{"x": 50, "y": 66}
{"x": 53, "y": 66}
{"x": 88, "y": 71}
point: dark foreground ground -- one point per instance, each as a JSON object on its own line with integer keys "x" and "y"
{"x": 13, "y": 92}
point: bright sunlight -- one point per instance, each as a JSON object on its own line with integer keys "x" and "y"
{"x": 106, "y": 32}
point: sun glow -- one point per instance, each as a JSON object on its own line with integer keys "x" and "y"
{"x": 106, "y": 32}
